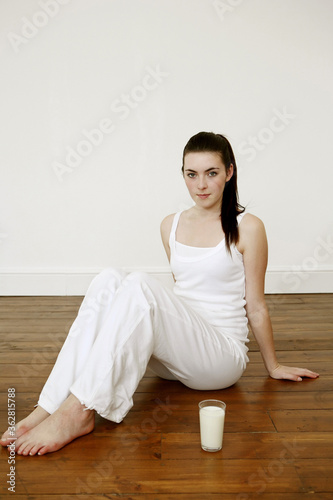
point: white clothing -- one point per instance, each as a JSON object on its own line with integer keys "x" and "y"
{"x": 212, "y": 282}
{"x": 125, "y": 323}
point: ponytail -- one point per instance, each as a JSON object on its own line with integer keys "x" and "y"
{"x": 230, "y": 208}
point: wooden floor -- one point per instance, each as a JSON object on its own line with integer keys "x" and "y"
{"x": 278, "y": 440}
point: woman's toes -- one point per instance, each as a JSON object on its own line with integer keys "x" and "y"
{"x": 34, "y": 450}
{"x": 42, "y": 450}
{"x": 21, "y": 445}
{"x": 7, "y": 439}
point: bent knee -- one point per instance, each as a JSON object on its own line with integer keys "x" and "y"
{"x": 141, "y": 278}
{"x": 108, "y": 279}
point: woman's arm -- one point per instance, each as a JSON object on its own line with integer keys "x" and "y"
{"x": 253, "y": 245}
{"x": 166, "y": 226}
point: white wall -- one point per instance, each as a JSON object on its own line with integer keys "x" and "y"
{"x": 151, "y": 73}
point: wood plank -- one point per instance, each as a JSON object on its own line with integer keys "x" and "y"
{"x": 275, "y": 445}
{"x": 311, "y": 420}
{"x": 316, "y": 475}
{"x": 302, "y": 356}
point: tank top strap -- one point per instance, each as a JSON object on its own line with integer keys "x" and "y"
{"x": 172, "y": 237}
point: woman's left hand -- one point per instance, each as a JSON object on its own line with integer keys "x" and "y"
{"x": 290, "y": 373}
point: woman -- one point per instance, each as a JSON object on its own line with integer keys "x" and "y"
{"x": 196, "y": 333}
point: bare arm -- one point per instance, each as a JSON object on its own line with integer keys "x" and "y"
{"x": 253, "y": 245}
{"x": 166, "y": 225}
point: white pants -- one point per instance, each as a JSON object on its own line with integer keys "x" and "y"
{"x": 125, "y": 323}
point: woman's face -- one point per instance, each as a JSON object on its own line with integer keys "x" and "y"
{"x": 205, "y": 177}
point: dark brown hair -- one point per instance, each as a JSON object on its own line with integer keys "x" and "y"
{"x": 217, "y": 143}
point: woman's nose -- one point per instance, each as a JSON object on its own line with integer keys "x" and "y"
{"x": 202, "y": 182}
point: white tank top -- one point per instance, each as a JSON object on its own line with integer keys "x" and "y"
{"x": 212, "y": 282}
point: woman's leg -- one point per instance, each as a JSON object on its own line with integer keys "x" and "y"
{"x": 147, "y": 320}
{"x": 73, "y": 356}
{"x": 144, "y": 320}
{"x": 75, "y": 351}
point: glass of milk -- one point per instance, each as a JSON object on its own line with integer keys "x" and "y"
{"x": 211, "y": 416}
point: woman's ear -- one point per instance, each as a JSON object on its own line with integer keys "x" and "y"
{"x": 230, "y": 172}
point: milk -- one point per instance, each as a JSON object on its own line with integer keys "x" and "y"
{"x": 211, "y": 427}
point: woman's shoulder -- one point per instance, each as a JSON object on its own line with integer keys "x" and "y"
{"x": 250, "y": 222}
{"x": 251, "y": 228}
{"x": 166, "y": 226}
{"x": 167, "y": 221}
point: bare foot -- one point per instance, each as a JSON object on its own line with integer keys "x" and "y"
{"x": 63, "y": 426}
{"x": 36, "y": 417}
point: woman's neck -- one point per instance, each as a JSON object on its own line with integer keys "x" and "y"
{"x": 206, "y": 213}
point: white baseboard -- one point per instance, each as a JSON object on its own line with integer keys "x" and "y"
{"x": 282, "y": 280}
{"x": 22, "y": 282}
{"x": 48, "y": 282}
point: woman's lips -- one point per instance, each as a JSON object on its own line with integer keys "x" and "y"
{"x": 203, "y": 196}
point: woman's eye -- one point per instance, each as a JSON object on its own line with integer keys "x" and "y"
{"x": 191, "y": 175}
{"x": 212, "y": 174}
